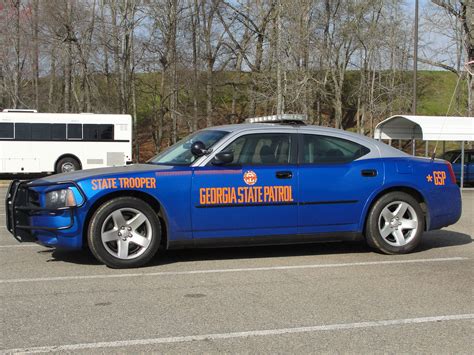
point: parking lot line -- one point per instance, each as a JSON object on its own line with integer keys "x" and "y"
{"x": 19, "y": 246}
{"x": 216, "y": 271}
{"x": 244, "y": 334}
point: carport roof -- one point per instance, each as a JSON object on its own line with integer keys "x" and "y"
{"x": 428, "y": 128}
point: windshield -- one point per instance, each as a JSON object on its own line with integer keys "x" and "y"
{"x": 180, "y": 153}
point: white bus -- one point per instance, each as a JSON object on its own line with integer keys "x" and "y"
{"x": 32, "y": 142}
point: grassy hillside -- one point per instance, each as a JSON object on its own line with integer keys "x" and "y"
{"x": 435, "y": 91}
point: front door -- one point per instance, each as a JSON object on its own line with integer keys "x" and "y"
{"x": 254, "y": 196}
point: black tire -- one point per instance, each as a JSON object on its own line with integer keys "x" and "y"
{"x": 376, "y": 224}
{"x": 67, "y": 164}
{"x": 104, "y": 250}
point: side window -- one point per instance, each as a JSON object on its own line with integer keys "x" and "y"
{"x": 90, "y": 132}
{"x": 6, "y": 130}
{"x": 326, "y": 149}
{"x": 41, "y": 131}
{"x": 74, "y": 131}
{"x": 106, "y": 132}
{"x": 58, "y": 132}
{"x": 99, "y": 132}
{"x": 261, "y": 149}
{"x": 23, "y": 131}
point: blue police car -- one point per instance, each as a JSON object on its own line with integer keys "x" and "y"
{"x": 277, "y": 181}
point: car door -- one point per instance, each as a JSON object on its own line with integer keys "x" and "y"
{"x": 254, "y": 196}
{"x": 335, "y": 182}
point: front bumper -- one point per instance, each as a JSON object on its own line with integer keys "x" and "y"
{"x": 27, "y": 221}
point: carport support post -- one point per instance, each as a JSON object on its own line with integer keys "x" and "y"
{"x": 462, "y": 165}
{"x": 413, "y": 146}
{"x": 427, "y": 144}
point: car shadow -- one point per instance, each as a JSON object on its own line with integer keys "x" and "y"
{"x": 442, "y": 239}
{"x": 431, "y": 240}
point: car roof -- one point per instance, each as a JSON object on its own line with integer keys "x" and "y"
{"x": 241, "y": 127}
{"x": 384, "y": 150}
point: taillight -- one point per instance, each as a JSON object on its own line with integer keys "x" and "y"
{"x": 451, "y": 172}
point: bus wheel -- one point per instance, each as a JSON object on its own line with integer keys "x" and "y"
{"x": 67, "y": 164}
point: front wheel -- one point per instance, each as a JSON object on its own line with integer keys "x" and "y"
{"x": 395, "y": 224}
{"x": 124, "y": 232}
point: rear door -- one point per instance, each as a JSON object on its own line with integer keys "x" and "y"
{"x": 254, "y": 196}
{"x": 334, "y": 183}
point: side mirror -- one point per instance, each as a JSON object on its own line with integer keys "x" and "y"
{"x": 223, "y": 158}
{"x": 198, "y": 149}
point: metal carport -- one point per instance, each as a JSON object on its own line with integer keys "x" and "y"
{"x": 428, "y": 128}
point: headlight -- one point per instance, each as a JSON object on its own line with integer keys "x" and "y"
{"x": 60, "y": 198}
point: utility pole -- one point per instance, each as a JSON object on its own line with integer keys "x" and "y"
{"x": 280, "y": 105}
{"x": 415, "y": 57}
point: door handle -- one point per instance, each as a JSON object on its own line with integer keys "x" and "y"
{"x": 369, "y": 172}
{"x": 284, "y": 174}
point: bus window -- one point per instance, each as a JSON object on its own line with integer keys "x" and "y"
{"x": 74, "y": 131}
{"x": 23, "y": 131}
{"x": 41, "y": 131}
{"x": 6, "y": 130}
{"x": 106, "y": 132}
{"x": 101, "y": 132}
{"x": 58, "y": 132}
{"x": 90, "y": 132}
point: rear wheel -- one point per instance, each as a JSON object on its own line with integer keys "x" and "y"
{"x": 124, "y": 232}
{"x": 67, "y": 164}
{"x": 395, "y": 224}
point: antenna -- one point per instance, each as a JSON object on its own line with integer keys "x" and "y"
{"x": 469, "y": 70}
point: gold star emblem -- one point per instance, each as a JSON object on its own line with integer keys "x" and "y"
{"x": 429, "y": 178}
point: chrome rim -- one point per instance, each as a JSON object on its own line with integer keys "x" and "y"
{"x": 67, "y": 167}
{"x": 126, "y": 233}
{"x": 398, "y": 223}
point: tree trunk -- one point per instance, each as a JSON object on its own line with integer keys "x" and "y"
{"x": 280, "y": 106}
{"x": 174, "y": 79}
{"x": 196, "y": 52}
{"x": 116, "y": 51}
{"x": 470, "y": 53}
{"x": 209, "y": 91}
{"x": 36, "y": 52}
{"x": 17, "y": 74}
{"x": 52, "y": 80}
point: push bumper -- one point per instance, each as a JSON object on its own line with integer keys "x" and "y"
{"x": 24, "y": 212}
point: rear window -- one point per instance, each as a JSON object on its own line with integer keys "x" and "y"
{"x": 319, "y": 149}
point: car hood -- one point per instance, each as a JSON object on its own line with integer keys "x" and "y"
{"x": 104, "y": 172}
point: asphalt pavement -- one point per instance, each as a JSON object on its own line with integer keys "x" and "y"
{"x": 330, "y": 297}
